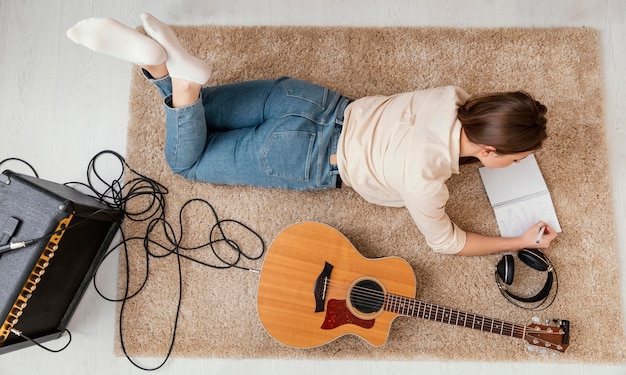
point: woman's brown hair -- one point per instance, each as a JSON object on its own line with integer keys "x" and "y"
{"x": 512, "y": 122}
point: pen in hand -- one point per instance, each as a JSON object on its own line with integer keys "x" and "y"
{"x": 541, "y": 231}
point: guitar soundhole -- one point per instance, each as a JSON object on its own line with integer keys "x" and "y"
{"x": 367, "y": 296}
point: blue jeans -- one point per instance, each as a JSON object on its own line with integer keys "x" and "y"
{"x": 271, "y": 133}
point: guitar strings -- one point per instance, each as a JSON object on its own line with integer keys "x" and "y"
{"x": 370, "y": 298}
{"x": 445, "y": 313}
{"x": 516, "y": 330}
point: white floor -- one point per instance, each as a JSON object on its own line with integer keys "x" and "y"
{"x": 60, "y": 105}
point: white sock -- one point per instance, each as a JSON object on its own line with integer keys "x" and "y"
{"x": 108, "y": 36}
{"x": 179, "y": 62}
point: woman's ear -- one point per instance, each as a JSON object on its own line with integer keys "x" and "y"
{"x": 486, "y": 150}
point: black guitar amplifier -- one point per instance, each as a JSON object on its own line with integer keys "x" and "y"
{"x": 68, "y": 234}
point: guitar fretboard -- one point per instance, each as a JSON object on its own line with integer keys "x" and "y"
{"x": 415, "y": 308}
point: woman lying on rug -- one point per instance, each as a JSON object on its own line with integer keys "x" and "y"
{"x": 395, "y": 151}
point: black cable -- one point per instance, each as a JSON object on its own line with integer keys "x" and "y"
{"x": 21, "y": 161}
{"x": 21, "y": 334}
{"x": 151, "y": 210}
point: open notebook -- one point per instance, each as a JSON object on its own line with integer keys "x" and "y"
{"x": 519, "y": 197}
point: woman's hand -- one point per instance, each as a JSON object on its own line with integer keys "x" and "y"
{"x": 477, "y": 244}
{"x": 529, "y": 238}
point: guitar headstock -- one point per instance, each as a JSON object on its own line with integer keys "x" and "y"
{"x": 552, "y": 337}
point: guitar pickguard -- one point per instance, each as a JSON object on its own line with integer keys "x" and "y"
{"x": 338, "y": 314}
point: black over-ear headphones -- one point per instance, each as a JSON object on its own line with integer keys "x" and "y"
{"x": 535, "y": 259}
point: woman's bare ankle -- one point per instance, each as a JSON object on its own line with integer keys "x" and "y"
{"x": 184, "y": 92}
{"x": 156, "y": 71}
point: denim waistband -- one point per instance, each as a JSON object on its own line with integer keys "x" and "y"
{"x": 341, "y": 108}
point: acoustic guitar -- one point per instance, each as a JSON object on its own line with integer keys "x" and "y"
{"x": 316, "y": 287}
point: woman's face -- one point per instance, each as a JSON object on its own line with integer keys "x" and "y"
{"x": 492, "y": 159}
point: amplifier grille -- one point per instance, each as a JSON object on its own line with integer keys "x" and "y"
{"x": 35, "y": 277}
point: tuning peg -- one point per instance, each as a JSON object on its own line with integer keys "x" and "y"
{"x": 538, "y": 320}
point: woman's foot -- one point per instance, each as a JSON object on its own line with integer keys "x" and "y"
{"x": 108, "y": 36}
{"x": 179, "y": 62}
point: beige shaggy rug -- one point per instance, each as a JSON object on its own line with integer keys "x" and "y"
{"x": 218, "y": 316}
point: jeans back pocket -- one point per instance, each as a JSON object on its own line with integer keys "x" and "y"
{"x": 288, "y": 154}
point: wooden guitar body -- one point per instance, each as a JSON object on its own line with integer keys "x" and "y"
{"x": 287, "y": 289}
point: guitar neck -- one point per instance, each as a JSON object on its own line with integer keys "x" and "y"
{"x": 415, "y": 308}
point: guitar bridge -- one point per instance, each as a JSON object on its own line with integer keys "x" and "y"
{"x": 321, "y": 285}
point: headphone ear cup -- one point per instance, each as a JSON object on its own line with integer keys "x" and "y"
{"x": 505, "y": 269}
{"x": 534, "y": 258}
